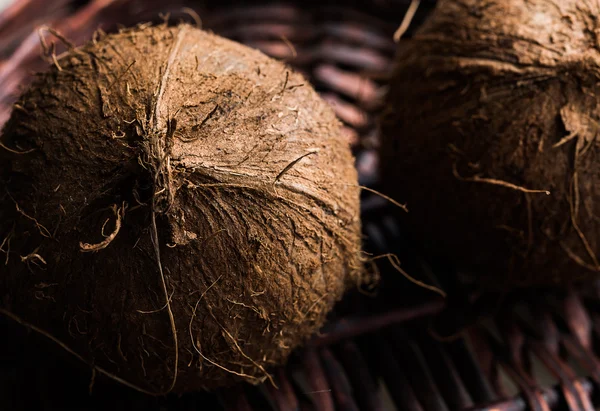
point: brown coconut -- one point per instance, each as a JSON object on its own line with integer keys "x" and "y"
{"x": 491, "y": 138}
{"x": 177, "y": 210}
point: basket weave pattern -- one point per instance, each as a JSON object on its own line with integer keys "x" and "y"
{"x": 405, "y": 346}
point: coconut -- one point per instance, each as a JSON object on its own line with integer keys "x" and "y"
{"x": 490, "y": 137}
{"x": 177, "y": 210}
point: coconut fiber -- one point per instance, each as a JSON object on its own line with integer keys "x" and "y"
{"x": 491, "y": 138}
{"x": 177, "y": 210}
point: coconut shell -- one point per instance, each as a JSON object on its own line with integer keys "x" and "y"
{"x": 177, "y": 210}
{"x": 490, "y": 138}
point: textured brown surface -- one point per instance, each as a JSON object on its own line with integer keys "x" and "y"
{"x": 490, "y": 98}
{"x": 251, "y": 183}
{"x": 374, "y": 365}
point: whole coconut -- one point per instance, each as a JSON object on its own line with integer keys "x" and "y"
{"x": 177, "y": 210}
{"x": 491, "y": 138}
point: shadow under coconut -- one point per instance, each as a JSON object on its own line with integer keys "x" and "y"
{"x": 363, "y": 348}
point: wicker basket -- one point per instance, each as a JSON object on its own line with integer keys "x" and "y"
{"x": 405, "y": 347}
